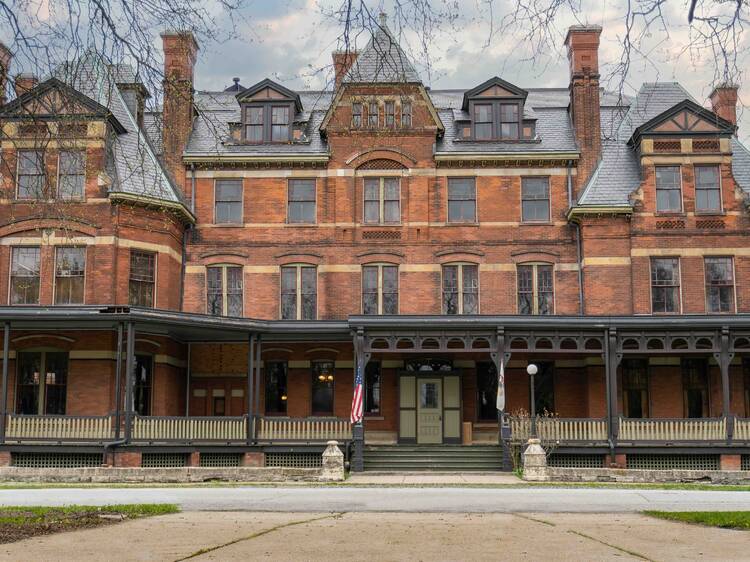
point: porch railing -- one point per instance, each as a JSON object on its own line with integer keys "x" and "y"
{"x": 303, "y": 429}
{"x": 560, "y": 429}
{"x": 742, "y": 429}
{"x": 59, "y": 428}
{"x": 189, "y": 429}
{"x": 675, "y": 429}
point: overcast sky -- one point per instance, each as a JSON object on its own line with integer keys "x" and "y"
{"x": 291, "y": 41}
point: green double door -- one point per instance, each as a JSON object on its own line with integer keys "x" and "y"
{"x": 430, "y": 408}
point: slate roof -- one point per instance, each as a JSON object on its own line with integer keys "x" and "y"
{"x": 133, "y": 166}
{"x": 618, "y": 173}
{"x": 382, "y": 60}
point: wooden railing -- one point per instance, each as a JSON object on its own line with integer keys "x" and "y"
{"x": 303, "y": 429}
{"x": 560, "y": 429}
{"x": 675, "y": 429}
{"x": 189, "y": 429}
{"x": 59, "y": 428}
{"x": 742, "y": 429}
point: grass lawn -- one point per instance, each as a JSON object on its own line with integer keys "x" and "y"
{"x": 724, "y": 519}
{"x": 17, "y": 523}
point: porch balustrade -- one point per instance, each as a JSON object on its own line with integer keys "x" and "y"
{"x": 560, "y": 429}
{"x": 59, "y": 428}
{"x": 303, "y": 429}
{"x": 679, "y": 429}
{"x": 190, "y": 429}
{"x": 742, "y": 429}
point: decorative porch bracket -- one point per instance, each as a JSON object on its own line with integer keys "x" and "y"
{"x": 362, "y": 358}
{"x": 4, "y": 391}
{"x": 724, "y": 358}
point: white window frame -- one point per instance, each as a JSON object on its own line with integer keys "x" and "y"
{"x": 10, "y": 274}
{"x": 535, "y": 287}
{"x": 54, "y": 275}
{"x": 298, "y": 287}
{"x": 679, "y": 280}
{"x": 720, "y": 210}
{"x": 705, "y": 285}
{"x": 682, "y": 191}
{"x": 57, "y": 179}
{"x": 460, "y": 265}
{"x": 380, "y": 266}
{"x": 224, "y": 286}
{"x": 381, "y": 201}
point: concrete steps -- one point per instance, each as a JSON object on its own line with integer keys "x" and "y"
{"x": 455, "y": 458}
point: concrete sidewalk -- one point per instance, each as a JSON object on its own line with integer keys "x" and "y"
{"x": 230, "y": 536}
{"x": 449, "y": 478}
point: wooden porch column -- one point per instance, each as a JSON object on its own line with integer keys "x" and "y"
{"x": 118, "y": 382}
{"x": 500, "y": 359}
{"x": 129, "y": 372}
{"x": 358, "y": 430}
{"x": 724, "y": 359}
{"x": 257, "y": 376}
{"x": 611, "y": 362}
{"x": 4, "y": 392}
{"x": 250, "y": 387}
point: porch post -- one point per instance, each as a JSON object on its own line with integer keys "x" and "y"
{"x": 358, "y": 429}
{"x": 4, "y": 392}
{"x": 257, "y": 376}
{"x": 250, "y": 386}
{"x": 611, "y": 362}
{"x": 118, "y": 383}
{"x": 129, "y": 372}
{"x": 500, "y": 360}
{"x": 724, "y": 359}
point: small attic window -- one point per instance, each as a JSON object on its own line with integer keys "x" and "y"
{"x": 496, "y": 120}
{"x": 267, "y": 122}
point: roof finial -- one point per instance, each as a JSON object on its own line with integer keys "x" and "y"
{"x": 383, "y": 19}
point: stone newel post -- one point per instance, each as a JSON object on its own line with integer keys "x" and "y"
{"x": 333, "y": 463}
{"x": 535, "y": 462}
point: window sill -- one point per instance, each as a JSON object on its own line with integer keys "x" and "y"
{"x": 454, "y": 224}
{"x": 669, "y": 214}
{"x": 710, "y": 214}
{"x": 381, "y": 225}
{"x": 301, "y": 224}
{"x": 228, "y": 225}
{"x": 536, "y": 223}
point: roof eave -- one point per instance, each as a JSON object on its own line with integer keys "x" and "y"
{"x": 213, "y": 157}
{"x": 175, "y": 206}
{"x": 495, "y": 155}
{"x": 575, "y": 213}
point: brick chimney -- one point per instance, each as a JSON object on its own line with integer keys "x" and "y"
{"x": 180, "y": 51}
{"x": 5, "y": 58}
{"x": 342, "y": 62}
{"x": 25, "y": 82}
{"x": 582, "y": 42}
{"x": 724, "y": 102}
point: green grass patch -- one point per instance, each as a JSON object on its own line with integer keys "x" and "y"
{"x": 723, "y": 519}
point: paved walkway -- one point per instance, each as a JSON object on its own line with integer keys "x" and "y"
{"x": 392, "y": 499}
{"x": 243, "y": 536}
{"x": 453, "y": 478}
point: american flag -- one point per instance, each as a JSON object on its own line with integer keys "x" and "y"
{"x": 358, "y": 399}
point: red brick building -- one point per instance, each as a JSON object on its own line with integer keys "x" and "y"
{"x": 199, "y": 285}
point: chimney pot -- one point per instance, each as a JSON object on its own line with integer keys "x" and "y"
{"x": 24, "y": 82}
{"x": 724, "y": 102}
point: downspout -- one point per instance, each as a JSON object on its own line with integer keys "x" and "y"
{"x": 579, "y": 244}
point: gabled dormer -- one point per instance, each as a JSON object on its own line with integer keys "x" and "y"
{"x": 268, "y": 113}
{"x": 494, "y": 111}
{"x": 685, "y": 128}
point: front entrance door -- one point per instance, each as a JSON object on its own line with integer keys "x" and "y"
{"x": 429, "y": 410}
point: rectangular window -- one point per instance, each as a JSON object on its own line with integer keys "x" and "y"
{"x": 380, "y": 289}
{"x": 298, "y": 292}
{"x": 372, "y": 389}
{"x": 276, "y": 387}
{"x": 280, "y": 123}
{"x": 707, "y": 189}
{"x": 486, "y": 391}
{"x": 372, "y": 114}
{"x": 322, "y": 388}
{"x": 24, "y": 276}
{"x": 382, "y": 201}
{"x": 406, "y": 114}
{"x": 142, "y": 280}
{"x": 42, "y": 378}
{"x": 719, "y": 284}
{"x": 224, "y": 290}
{"x": 228, "y": 201}
{"x": 508, "y": 121}
{"x": 535, "y": 200}
{"x": 71, "y": 175}
{"x": 635, "y": 397}
{"x": 665, "y": 285}
{"x": 695, "y": 387}
{"x": 462, "y": 200}
{"x": 483, "y": 122}
{"x": 31, "y": 174}
{"x": 668, "y": 189}
{"x": 142, "y": 385}
{"x": 460, "y": 289}
{"x": 390, "y": 114}
{"x": 356, "y": 115}
{"x": 535, "y": 289}
{"x": 301, "y": 205}
{"x": 254, "y": 124}
{"x": 70, "y": 267}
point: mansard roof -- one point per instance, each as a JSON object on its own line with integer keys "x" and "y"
{"x": 382, "y": 60}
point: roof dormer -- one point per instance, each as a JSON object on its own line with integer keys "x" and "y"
{"x": 268, "y": 113}
{"x": 494, "y": 111}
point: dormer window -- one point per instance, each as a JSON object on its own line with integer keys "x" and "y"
{"x": 495, "y": 109}
{"x": 279, "y": 123}
{"x": 254, "y": 123}
{"x": 267, "y": 123}
{"x": 496, "y": 121}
